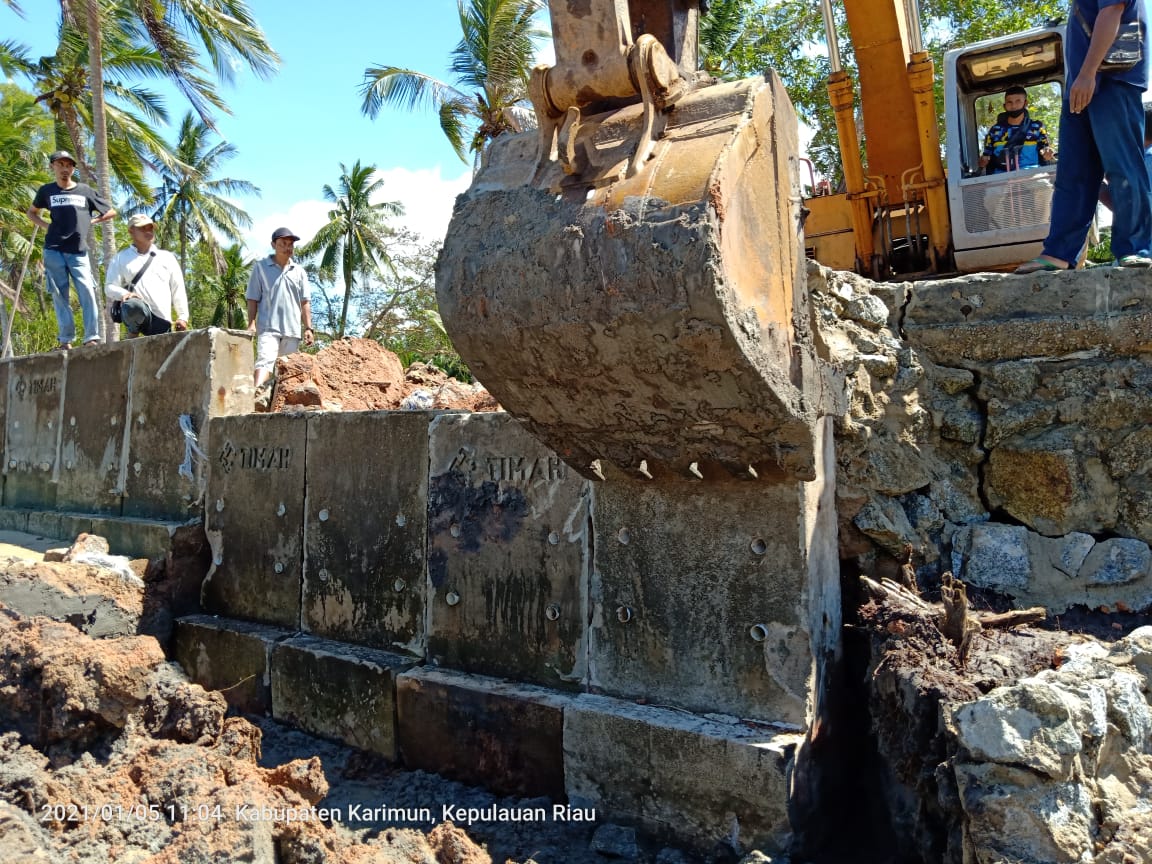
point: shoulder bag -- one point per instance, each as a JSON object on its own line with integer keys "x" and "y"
{"x": 1127, "y": 48}
{"x": 117, "y": 305}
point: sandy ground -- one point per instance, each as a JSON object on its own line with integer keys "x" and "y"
{"x": 29, "y": 547}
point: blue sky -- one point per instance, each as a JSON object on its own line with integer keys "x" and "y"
{"x": 292, "y": 131}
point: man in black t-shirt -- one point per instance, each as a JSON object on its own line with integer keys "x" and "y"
{"x": 66, "y": 248}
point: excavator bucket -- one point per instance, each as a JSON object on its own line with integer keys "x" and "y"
{"x": 628, "y": 279}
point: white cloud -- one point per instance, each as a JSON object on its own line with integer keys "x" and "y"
{"x": 426, "y": 194}
{"x": 427, "y": 197}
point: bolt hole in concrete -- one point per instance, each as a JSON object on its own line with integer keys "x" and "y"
{"x": 552, "y": 612}
{"x": 398, "y": 586}
{"x": 623, "y": 614}
{"x": 281, "y": 510}
{"x": 219, "y": 504}
{"x": 278, "y": 567}
{"x": 553, "y": 538}
{"x": 758, "y": 632}
{"x": 323, "y": 574}
{"x": 454, "y": 530}
{"x": 323, "y": 515}
{"x": 623, "y": 536}
{"x": 759, "y": 546}
{"x": 401, "y": 520}
{"x": 451, "y": 598}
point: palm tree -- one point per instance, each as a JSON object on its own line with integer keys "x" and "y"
{"x": 355, "y": 237}
{"x": 232, "y": 281}
{"x": 189, "y": 199}
{"x": 24, "y": 132}
{"x": 225, "y": 29}
{"x": 491, "y": 67}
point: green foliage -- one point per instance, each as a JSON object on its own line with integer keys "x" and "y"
{"x": 190, "y": 203}
{"x": 1101, "y": 252}
{"x": 745, "y": 37}
{"x": 354, "y": 242}
{"x": 399, "y": 310}
{"x": 491, "y": 65}
{"x": 25, "y": 141}
{"x": 34, "y": 329}
{"x": 216, "y": 281}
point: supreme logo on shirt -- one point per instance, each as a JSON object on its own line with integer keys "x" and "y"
{"x": 65, "y": 200}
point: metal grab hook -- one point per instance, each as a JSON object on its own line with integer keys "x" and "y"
{"x": 599, "y": 62}
{"x": 649, "y": 64}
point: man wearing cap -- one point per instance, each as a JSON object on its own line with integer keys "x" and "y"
{"x": 148, "y": 283}
{"x": 66, "y": 245}
{"x": 279, "y": 310}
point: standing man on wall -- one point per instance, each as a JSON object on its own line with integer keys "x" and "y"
{"x": 1101, "y": 135}
{"x": 66, "y": 246}
{"x": 278, "y": 304}
{"x": 147, "y": 282}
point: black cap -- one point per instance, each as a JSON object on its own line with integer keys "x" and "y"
{"x": 61, "y": 154}
{"x": 284, "y": 232}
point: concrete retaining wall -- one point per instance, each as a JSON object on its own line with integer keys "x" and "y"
{"x": 460, "y": 540}
{"x": 97, "y": 431}
{"x": 442, "y": 588}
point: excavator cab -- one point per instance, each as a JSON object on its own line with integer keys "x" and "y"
{"x": 999, "y": 219}
{"x": 906, "y": 212}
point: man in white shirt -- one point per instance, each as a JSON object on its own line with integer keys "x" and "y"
{"x": 148, "y": 283}
{"x": 279, "y": 311}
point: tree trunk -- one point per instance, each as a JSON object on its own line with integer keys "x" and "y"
{"x": 183, "y": 247}
{"x": 100, "y": 134}
{"x": 348, "y": 241}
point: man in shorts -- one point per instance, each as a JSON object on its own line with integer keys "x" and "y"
{"x": 279, "y": 311}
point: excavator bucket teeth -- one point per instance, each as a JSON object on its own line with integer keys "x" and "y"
{"x": 657, "y": 317}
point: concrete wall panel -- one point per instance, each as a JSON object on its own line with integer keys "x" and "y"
{"x": 229, "y": 656}
{"x": 365, "y": 530}
{"x": 4, "y": 371}
{"x": 698, "y": 780}
{"x": 339, "y": 691}
{"x": 255, "y": 517}
{"x": 514, "y": 744}
{"x": 699, "y": 596}
{"x": 508, "y": 553}
{"x": 35, "y": 395}
{"x": 201, "y": 373}
{"x": 92, "y": 438}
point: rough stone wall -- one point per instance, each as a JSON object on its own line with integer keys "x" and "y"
{"x": 1000, "y": 426}
{"x": 1057, "y": 767}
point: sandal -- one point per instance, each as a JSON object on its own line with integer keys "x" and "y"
{"x": 1135, "y": 261}
{"x": 1037, "y": 265}
{"x": 63, "y": 346}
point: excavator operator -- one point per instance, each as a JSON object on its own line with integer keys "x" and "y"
{"x": 1015, "y": 140}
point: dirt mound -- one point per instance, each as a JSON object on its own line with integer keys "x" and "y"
{"x": 349, "y": 375}
{"x": 113, "y": 755}
{"x": 362, "y": 375}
